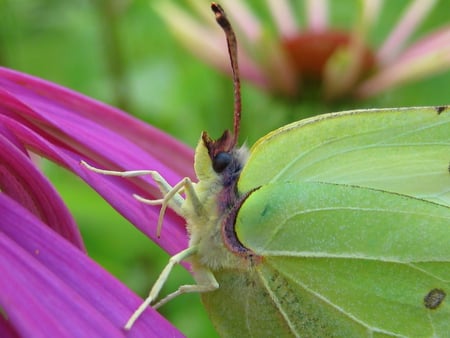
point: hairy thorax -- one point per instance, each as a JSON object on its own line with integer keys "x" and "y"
{"x": 217, "y": 195}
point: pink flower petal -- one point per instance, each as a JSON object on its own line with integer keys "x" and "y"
{"x": 67, "y": 127}
{"x": 281, "y": 11}
{"x": 51, "y": 289}
{"x": 410, "y": 21}
{"x": 317, "y": 13}
{"x": 20, "y": 179}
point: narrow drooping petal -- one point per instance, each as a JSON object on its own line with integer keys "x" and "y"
{"x": 67, "y": 127}
{"x": 436, "y": 42}
{"x": 317, "y": 12}
{"x": 244, "y": 20}
{"x": 370, "y": 13}
{"x": 410, "y": 21}
{"x": 428, "y": 56}
{"x": 49, "y": 288}
{"x": 20, "y": 179}
{"x": 208, "y": 42}
{"x": 281, "y": 12}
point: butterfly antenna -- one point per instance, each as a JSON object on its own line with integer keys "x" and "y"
{"x": 222, "y": 20}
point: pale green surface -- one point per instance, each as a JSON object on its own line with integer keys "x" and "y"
{"x": 403, "y": 150}
{"x": 351, "y": 252}
{"x": 351, "y": 257}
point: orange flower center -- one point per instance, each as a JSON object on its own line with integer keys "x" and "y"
{"x": 310, "y": 52}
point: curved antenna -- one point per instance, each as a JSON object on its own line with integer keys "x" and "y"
{"x": 222, "y": 20}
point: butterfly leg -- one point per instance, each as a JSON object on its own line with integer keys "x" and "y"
{"x": 163, "y": 186}
{"x": 209, "y": 283}
{"x": 173, "y": 193}
{"x": 172, "y": 197}
{"x": 206, "y": 277}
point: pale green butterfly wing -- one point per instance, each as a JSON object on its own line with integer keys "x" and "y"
{"x": 405, "y": 150}
{"x": 343, "y": 216}
{"x": 338, "y": 261}
{"x": 242, "y": 307}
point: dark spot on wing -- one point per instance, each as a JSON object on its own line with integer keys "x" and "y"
{"x": 434, "y": 299}
{"x": 265, "y": 210}
{"x": 440, "y": 109}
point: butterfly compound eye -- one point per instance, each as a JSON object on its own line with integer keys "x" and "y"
{"x": 221, "y": 161}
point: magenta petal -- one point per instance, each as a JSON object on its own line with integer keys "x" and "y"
{"x": 6, "y": 329}
{"x": 48, "y": 288}
{"x": 20, "y": 179}
{"x": 58, "y": 108}
{"x": 67, "y": 127}
{"x": 118, "y": 191}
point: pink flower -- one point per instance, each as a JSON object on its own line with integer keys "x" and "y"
{"x": 290, "y": 56}
{"x": 49, "y": 287}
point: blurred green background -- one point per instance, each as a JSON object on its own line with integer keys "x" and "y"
{"x": 122, "y": 53}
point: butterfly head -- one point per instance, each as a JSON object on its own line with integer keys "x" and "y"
{"x": 225, "y": 158}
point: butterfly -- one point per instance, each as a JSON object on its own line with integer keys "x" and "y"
{"x": 335, "y": 225}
